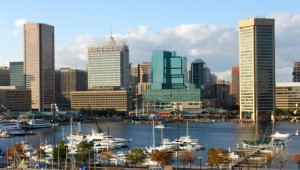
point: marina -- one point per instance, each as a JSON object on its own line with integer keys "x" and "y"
{"x": 227, "y": 135}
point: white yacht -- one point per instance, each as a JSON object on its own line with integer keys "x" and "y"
{"x": 9, "y": 125}
{"x": 35, "y": 124}
{"x": 187, "y": 143}
{"x": 102, "y": 137}
{"x": 278, "y": 135}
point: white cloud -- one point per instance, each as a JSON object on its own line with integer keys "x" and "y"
{"x": 224, "y": 75}
{"x": 19, "y": 27}
{"x": 20, "y": 22}
{"x": 216, "y": 45}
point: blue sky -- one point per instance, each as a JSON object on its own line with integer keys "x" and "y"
{"x": 193, "y": 28}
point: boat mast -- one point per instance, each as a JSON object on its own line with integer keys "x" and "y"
{"x": 187, "y": 128}
{"x": 153, "y": 136}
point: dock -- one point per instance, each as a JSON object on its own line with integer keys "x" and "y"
{"x": 242, "y": 159}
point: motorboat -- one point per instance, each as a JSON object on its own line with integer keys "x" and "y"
{"x": 9, "y": 125}
{"x": 36, "y": 124}
{"x": 4, "y": 134}
{"x": 102, "y": 137}
{"x": 234, "y": 155}
{"x": 278, "y": 135}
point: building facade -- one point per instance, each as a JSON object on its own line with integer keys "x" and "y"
{"x": 39, "y": 64}
{"x": 288, "y": 95}
{"x": 68, "y": 80}
{"x": 4, "y": 76}
{"x": 168, "y": 71}
{"x": 169, "y": 81}
{"x": 108, "y": 65}
{"x": 198, "y": 73}
{"x": 17, "y": 77}
{"x": 102, "y": 99}
{"x": 145, "y": 73}
{"x": 235, "y": 85}
{"x": 257, "y": 68}
{"x": 15, "y": 98}
{"x": 296, "y": 71}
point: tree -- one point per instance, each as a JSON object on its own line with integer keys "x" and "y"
{"x": 83, "y": 151}
{"x": 16, "y": 152}
{"x": 107, "y": 155}
{"x": 281, "y": 158}
{"x": 187, "y": 157}
{"x": 161, "y": 157}
{"x": 268, "y": 159}
{"x": 40, "y": 153}
{"x": 60, "y": 152}
{"x": 136, "y": 156}
{"x": 216, "y": 156}
{"x": 296, "y": 159}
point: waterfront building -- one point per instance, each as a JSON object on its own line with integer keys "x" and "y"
{"x": 102, "y": 98}
{"x": 15, "y": 98}
{"x": 4, "y": 76}
{"x": 108, "y": 64}
{"x": 235, "y": 84}
{"x": 288, "y": 95}
{"x": 39, "y": 64}
{"x": 169, "y": 81}
{"x": 17, "y": 77}
{"x": 68, "y": 80}
{"x": 296, "y": 71}
{"x": 257, "y": 68}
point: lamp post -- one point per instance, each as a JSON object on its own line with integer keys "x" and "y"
{"x": 53, "y": 110}
{"x": 200, "y": 159}
{"x": 177, "y": 108}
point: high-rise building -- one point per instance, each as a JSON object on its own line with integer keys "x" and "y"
{"x": 39, "y": 64}
{"x": 4, "y": 76}
{"x": 257, "y": 68}
{"x": 296, "y": 71}
{"x": 108, "y": 65}
{"x": 17, "y": 77}
{"x": 235, "y": 84}
{"x": 68, "y": 80}
{"x": 169, "y": 81}
{"x": 168, "y": 70}
{"x": 144, "y": 73}
{"x": 134, "y": 74}
{"x": 198, "y": 73}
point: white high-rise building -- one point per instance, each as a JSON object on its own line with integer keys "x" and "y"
{"x": 108, "y": 65}
{"x": 257, "y": 68}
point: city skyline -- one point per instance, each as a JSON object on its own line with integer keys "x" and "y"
{"x": 205, "y": 30}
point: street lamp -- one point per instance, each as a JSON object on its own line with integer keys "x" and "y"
{"x": 177, "y": 109}
{"x": 53, "y": 110}
{"x": 200, "y": 159}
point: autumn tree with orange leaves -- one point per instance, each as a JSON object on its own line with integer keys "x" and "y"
{"x": 296, "y": 158}
{"x": 161, "y": 157}
{"x": 187, "y": 157}
{"x": 16, "y": 152}
{"x": 217, "y": 156}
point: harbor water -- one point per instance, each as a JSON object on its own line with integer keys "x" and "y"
{"x": 227, "y": 135}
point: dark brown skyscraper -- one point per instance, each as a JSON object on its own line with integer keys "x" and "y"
{"x": 39, "y": 64}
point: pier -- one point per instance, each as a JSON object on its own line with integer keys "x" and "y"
{"x": 242, "y": 159}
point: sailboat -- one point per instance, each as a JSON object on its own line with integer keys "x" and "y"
{"x": 187, "y": 143}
